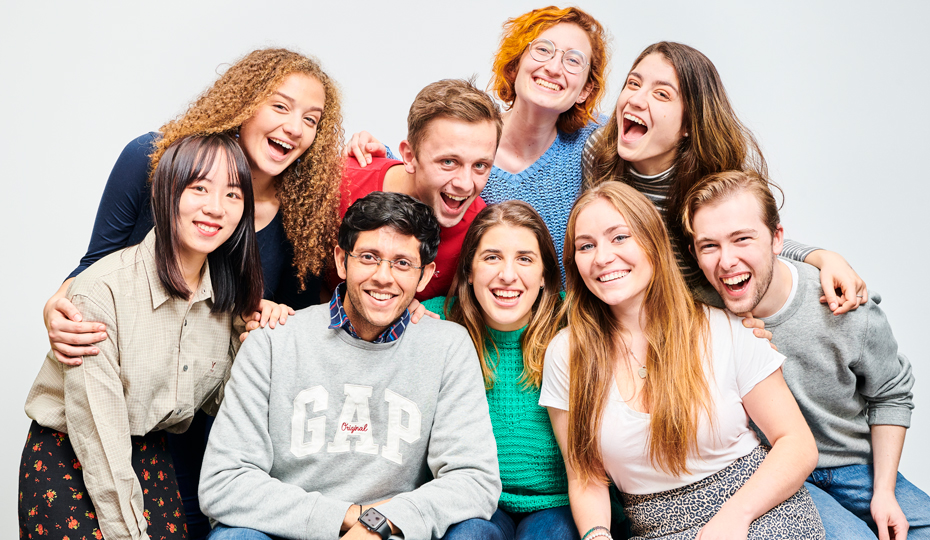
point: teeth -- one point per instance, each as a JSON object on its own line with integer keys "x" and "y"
{"x": 613, "y": 275}
{"x": 736, "y": 280}
{"x": 507, "y": 294}
{"x": 455, "y": 198}
{"x": 547, "y": 84}
{"x": 632, "y": 118}
{"x": 207, "y": 228}
{"x": 282, "y": 143}
{"x": 380, "y": 296}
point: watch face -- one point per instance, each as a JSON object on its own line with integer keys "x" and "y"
{"x": 372, "y": 518}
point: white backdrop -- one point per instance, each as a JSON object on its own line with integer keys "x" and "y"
{"x": 836, "y": 96}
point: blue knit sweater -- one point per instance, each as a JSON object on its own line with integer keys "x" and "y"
{"x": 550, "y": 185}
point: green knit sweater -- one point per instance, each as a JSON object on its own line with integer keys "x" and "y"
{"x": 532, "y": 470}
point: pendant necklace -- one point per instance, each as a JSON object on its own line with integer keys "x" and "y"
{"x": 642, "y": 367}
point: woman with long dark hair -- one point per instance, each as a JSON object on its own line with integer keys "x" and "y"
{"x": 673, "y": 125}
{"x": 96, "y": 462}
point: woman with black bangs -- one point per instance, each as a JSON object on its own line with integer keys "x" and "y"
{"x": 95, "y": 463}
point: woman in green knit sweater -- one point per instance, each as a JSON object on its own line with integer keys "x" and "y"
{"x": 506, "y": 293}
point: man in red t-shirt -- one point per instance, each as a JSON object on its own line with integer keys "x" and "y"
{"x": 453, "y": 130}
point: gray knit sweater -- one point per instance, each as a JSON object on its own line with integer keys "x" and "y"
{"x": 315, "y": 420}
{"x": 845, "y": 371}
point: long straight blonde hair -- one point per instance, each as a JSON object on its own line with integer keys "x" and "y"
{"x": 676, "y": 390}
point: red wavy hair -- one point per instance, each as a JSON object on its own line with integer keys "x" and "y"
{"x": 521, "y": 31}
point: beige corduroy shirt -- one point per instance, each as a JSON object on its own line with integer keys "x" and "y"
{"x": 164, "y": 358}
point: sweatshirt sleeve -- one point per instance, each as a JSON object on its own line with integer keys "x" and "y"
{"x": 98, "y": 427}
{"x": 236, "y": 487}
{"x": 125, "y": 195}
{"x": 462, "y": 455}
{"x": 885, "y": 376}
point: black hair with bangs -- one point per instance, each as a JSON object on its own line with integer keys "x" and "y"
{"x": 235, "y": 266}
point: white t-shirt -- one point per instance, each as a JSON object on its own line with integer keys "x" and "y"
{"x": 740, "y": 361}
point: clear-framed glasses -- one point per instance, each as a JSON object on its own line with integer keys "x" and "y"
{"x": 574, "y": 61}
{"x": 401, "y": 266}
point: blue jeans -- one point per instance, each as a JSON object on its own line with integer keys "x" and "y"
{"x": 552, "y": 524}
{"x": 222, "y": 532}
{"x": 843, "y": 496}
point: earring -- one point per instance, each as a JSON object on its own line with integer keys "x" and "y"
{"x": 237, "y": 133}
{"x": 297, "y": 162}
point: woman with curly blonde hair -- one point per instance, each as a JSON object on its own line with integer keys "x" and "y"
{"x": 285, "y": 113}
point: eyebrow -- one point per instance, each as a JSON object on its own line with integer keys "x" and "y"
{"x": 376, "y": 251}
{"x": 657, "y": 82}
{"x": 519, "y": 252}
{"x": 291, "y": 100}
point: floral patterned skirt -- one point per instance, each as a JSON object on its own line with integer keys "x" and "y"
{"x": 680, "y": 513}
{"x": 53, "y": 500}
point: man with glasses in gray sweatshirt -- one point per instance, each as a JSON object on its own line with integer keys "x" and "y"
{"x": 850, "y": 381}
{"x": 349, "y": 419}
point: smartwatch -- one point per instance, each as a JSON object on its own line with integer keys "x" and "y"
{"x": 375, "y": 522}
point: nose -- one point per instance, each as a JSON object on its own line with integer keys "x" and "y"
{"x": 468, "y": 180}
{"x": 383, "y": 274}
{"x": 294, "y": 126}
{"x": 728, "y": 257}
{"x": 508, "y": 273}
{"x": 603, "y": 255}
{"x": 213, "y": 204}
{"x": 637, "y": 99}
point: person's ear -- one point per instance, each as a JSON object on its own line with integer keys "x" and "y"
{"x": 408, "y": 156}
{"x": 778, "y": 240}
{"x": 340, "y": 256}
{"x": 428, "y": 272}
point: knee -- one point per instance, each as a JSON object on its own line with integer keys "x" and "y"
{"x": 475, "y": 529}
{"x": 222, "y": 532}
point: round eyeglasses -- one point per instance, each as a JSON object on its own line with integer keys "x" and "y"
{"x": 400, "y": 266}
{"x": 574, "y": 61}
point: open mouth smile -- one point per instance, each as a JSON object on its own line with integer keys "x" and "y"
{"x": 207, "y": 229}
{"x": 633, "y": 127}
{"x": 279, "y": 147}
{"x": 738, "y": 283}
{"x": 380, "y": 296}
{"x": 453, "y": 201}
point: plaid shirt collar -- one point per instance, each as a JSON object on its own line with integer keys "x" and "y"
{"x": 339, "y": 319}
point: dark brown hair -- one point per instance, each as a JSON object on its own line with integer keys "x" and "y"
{"x": 717, "y": 141}
{"x": 235, "y": 267}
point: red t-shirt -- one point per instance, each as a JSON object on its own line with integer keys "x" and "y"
{"x": 358, "y": 182}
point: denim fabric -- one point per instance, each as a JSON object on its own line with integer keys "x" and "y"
{"x": 552, "y": 524}
{"x": 843, "y": 496}
{"x": 222, "y": 532}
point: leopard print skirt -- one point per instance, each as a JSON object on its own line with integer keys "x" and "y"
{"x": 680, "y": 513}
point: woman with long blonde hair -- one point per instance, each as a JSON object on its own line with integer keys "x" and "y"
{"x": 285, "y": 113}
{"x": 653, "y": 392}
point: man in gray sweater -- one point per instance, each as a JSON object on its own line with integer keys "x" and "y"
{"x": 349, "y": 419}
{"x": 845, "y": 371}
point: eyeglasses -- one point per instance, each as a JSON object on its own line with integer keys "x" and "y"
{"x": 401, "y": 266}
{"x": 542, "y": 50}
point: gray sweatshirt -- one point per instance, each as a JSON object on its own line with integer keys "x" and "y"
{"x": 315, "y": 420}
{"x": 844, "y": 371}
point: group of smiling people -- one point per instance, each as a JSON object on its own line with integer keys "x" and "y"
{"x": 589, "y": 258}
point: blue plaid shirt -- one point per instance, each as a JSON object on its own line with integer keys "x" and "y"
{"x": 339, "y": 319}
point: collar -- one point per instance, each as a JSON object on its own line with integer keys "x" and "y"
{"x": 339, "y": 319}
{"x": 160, "y": 295}
{"x": 651, "y": 178}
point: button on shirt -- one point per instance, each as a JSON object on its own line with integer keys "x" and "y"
{"x": 163, "y": 359}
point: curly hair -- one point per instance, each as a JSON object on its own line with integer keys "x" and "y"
{"x": 520, "y": 31}
{"x": 308, "y": 190}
